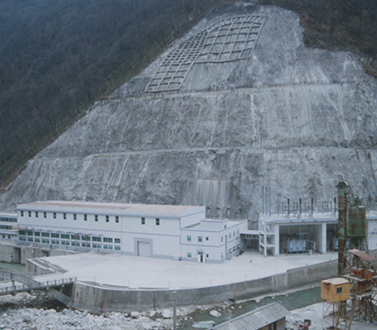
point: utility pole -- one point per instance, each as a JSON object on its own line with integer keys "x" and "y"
{"x": 342, "y": 225}
{"x": 174, "y": 310}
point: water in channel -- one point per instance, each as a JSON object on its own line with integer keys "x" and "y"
{"x": 290, "y": 301}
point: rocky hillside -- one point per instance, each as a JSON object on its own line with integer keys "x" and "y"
{"x": 58, "y": 57}
{"x": 237, "y": 104}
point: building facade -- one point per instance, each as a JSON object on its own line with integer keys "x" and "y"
{"x": 162, "y": 231}
{"x": 306, "y": 233}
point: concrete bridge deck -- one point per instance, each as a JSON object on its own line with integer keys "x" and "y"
{"x": 19, "y": 282}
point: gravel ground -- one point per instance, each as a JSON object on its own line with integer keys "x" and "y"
{"x": 26, "y": 311}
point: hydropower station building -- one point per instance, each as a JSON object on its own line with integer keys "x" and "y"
{"x": 162, "y": 231}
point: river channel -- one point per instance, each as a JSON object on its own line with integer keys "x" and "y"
{"x": 291, "y": 301}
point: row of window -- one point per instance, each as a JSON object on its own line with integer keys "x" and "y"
{"x": 234, "y": 249}
{"x": 200, "y": 238}
{"x": 157, "y": 221}
{"x": 68, "y": 243}
{"x": 189, "y": 255}
{"x": 5, "y": 219}
{"x": 73, "y": 216}
{"x": 74, "y": 237}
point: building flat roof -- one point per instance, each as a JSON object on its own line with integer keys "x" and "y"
{"x": 8, "y": 215}
{"x": 215, "y": 224}
{"x": 256, "y": 319}
{"x": 152, "y": 210}
{"x": 307, "y": 217}
{"x": 302, "y": 218}
{"x": 336, "y": 281}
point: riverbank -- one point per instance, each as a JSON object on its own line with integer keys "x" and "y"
{"x": 17, "y": 313}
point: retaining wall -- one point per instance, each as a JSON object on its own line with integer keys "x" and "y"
{"x": 97, "y": 299}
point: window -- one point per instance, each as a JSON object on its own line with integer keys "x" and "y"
{"x": 85, "y": 244}
{"x": 85, "y": 238}
{"x": 116, "y": 219}
{"x": 65, "y": 236}
{"x": 37, "y": 240}
{"x": 222, "y": 238}
{"x": 188, "y": 238}
{"x": 85, "y": 217}
{"x": 22, "y": 213}
{"x": 30, "y": 239}
{"x": 74, "y": 216}
{"x": 207, "y": 255}
{"x": 65, "y": 242}
{"x": 96, "y": 246}
{"x": 22, "y": 238}
{"x": 45, "y": 240}
{"x": 117, "y": 240}
{"x": 339, "y": 290}
{"x": 29, "y": 214}
{"x": 54, "y": 235}
{"x": 75, "y": 243}
{"x": 107, "y": 218}
{"x": 45, "y": 215}
{"x": 107, "y": 239}
{"x": 75, "y": 237}
{"x": 54, "y": 215}
{"x": 96, "y": 239}
{"x": 207, "y": 238}
{"x": 36, "y": 214}
{"x": 117, "y": 247}
{"x": 188, "y": 254}
{"x": 234, "y": 233}
{"x": 64, "y": 216}
{"x": 55, "y": 241}
{"x": 96, "y": 218}
{"x": 37, "y": 233}
{"x": 30, "y": 233}
{"x": 143, "y": 221}
{"x": 107, "y": 247}
{"x": 157, "y": 221}
{"x": 200, "y": 239}
{"x": 45, "y": 235}
{"x": 22, "y": 232}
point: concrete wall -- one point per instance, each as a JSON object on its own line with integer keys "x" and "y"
{"x": 100, "y": 299}
{"x": 19, "y": 254}
{"x": 10, "y": 253}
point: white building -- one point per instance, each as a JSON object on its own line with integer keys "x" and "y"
{"x": 308, "y": 233}
{"x": 8, "y": 222}
{"x": 162, "y": 231}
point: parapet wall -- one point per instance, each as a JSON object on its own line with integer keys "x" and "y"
{"x": 97, "y": 299}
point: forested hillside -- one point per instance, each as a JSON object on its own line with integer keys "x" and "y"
{"x": 338, "y": 24}
{"x": 58, "y": 57}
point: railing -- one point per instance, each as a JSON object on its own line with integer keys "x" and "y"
{"x": 41, "y": 285}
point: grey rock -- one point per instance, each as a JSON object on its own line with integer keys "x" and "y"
{"x": 215, "y": 313}
{"x": 292, "y": 118}
{"x": 167, "y": 314}
{"x": 203, "y": 325}
{"x": 134, "y": 315}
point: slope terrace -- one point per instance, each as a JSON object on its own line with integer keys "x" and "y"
{"x": 237, "y": 104}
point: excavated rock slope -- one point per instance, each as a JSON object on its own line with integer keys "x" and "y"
{"x": 274, "y": 113}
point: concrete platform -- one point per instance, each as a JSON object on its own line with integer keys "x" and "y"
{"x": 151, "y": 273}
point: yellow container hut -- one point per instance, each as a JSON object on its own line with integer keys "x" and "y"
{"x": 335, "y": 289}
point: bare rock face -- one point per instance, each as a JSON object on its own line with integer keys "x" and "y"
{"x": 237, "y": 104}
